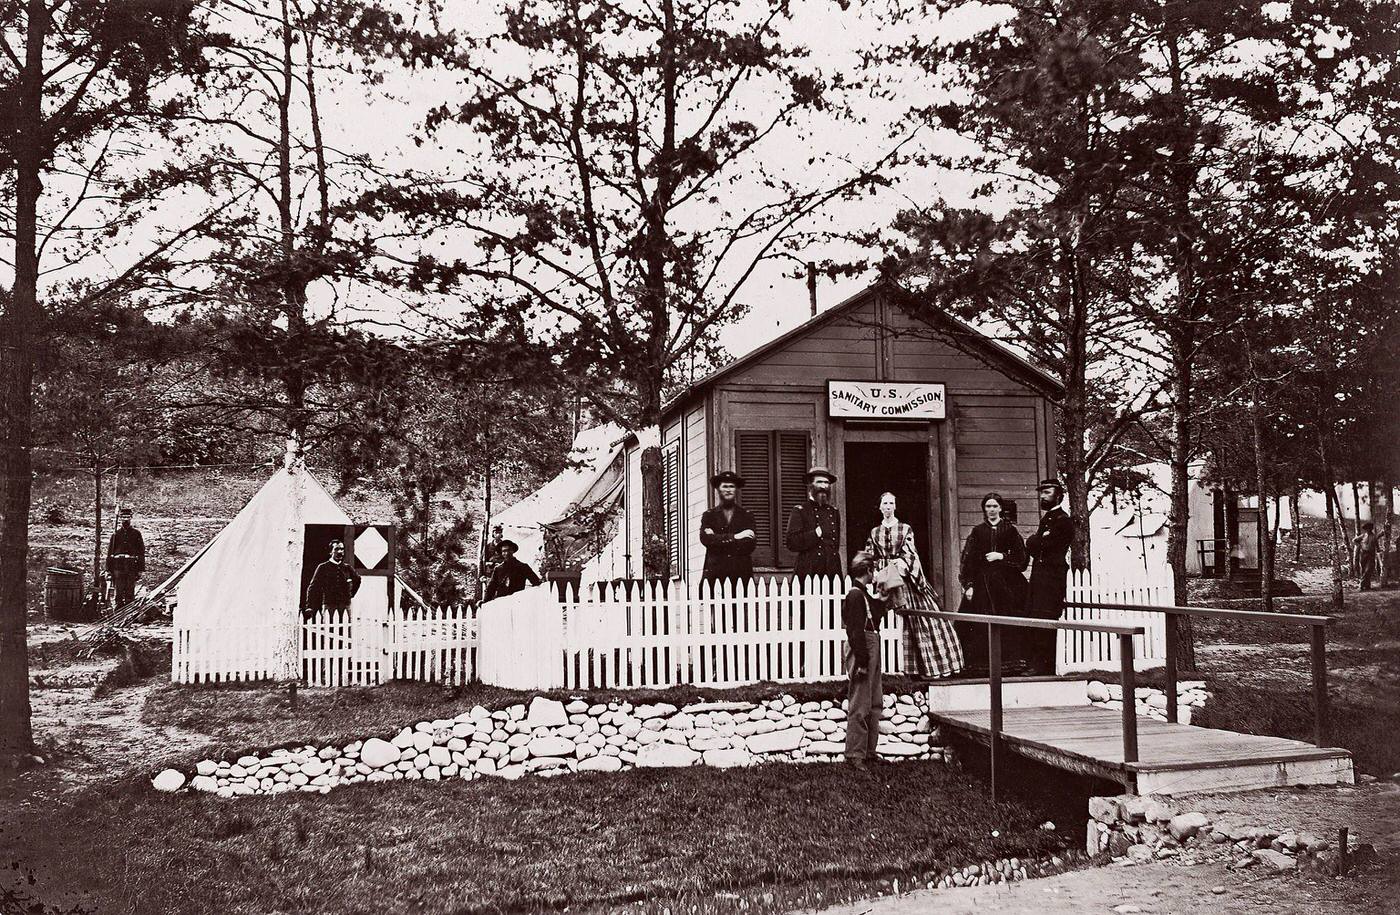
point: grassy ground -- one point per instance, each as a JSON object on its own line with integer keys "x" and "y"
{"x": 777, "y": 834}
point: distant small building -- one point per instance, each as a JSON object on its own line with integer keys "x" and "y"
{"x": 1141, "y": 527}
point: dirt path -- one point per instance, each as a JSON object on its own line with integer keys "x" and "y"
{"x": 1207, "y": 888}
{"x": 87, "y": 740}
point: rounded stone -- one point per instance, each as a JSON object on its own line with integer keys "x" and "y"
{"x": 169, "y": 780}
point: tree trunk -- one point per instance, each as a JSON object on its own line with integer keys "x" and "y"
{"x": 1261, "y": 481}
{"x": 656, "y": 263}
{"x": 1356, "y": 507}
{"x": 1074, "y": 411}
{"x": 1334, "y": 511}
{"x": 1387, "y": 571}
{"x": 17, "y": 343}
{"x": 1232, "y": 529}
{"x": 656, "y": 552}
{"x": 97, "y": 527}
{"x": 1180, "y": 506}
{"x": 1295, "y": 511}
{"x": 294, "y": 288}
{"x": 1076, "y": 488}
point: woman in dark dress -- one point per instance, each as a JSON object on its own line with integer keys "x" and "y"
{"x": 993, "y": 560}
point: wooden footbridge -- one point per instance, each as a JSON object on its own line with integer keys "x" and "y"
{"x": 1145, "y": 755}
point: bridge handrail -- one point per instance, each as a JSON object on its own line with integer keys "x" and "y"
{"x": 1259, "y": 616}
{"x": 1028, "y": 622}
{"x": 1128, "y": 672}
{"x": 1318, "y": 649}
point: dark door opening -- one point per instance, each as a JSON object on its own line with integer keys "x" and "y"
{"x": 874, "y": 468}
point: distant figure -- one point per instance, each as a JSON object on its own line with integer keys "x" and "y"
{"x": 1048, "y": 549}
{"x": 993, "y": 558}
{"x": 490, "y": 557}
{"x": 865, "y": 701}
{"x": 1386, "y": 557}
{"x": 727, "y": 532}
{"x": 126, "y": 558}
{"x": 511, "y": 574}
{"x": 814, "y": 528}
{"x": 1367, "y": 544}
{"x": 931, "y": 647}
{"x": 333, "y": 583}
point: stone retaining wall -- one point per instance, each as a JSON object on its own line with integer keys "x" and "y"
{"x": 1151, "y": 701}
{"x": 548, "y": 737}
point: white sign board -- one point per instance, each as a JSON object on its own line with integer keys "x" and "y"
{"x": 885, "y": 400}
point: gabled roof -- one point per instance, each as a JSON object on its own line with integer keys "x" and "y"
{"x": 958, "y": 334}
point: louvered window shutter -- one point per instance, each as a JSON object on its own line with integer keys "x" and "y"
{"x": 792, "y": 464}
{"x": 754, "y": 462}
{"x": 671, "y": 468}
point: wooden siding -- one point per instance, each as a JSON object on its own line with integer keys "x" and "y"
{"x": 845, "y": 347}
{"x": 918, "y": 353}
{"x": 999, "y": 442}
{"x": 697, "y": 487}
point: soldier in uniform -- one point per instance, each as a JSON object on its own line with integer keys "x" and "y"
{"x": 1048, "y": 549}
{"x": 126, "y": 558}
{"x": 727, "y": 531}
{"x": 333, "y": 583}
{"x": 814, "y": 528}
{"x": 511, "y": 574}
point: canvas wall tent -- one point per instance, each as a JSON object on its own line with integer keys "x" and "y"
{"x": 249, "y": 576}
{"x": 591, "y": 482}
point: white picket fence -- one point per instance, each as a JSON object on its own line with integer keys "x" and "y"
{"x": 228, "y": 654}
{"x": 770, "y": 629}
{"x": 333, "y": 649}
{"x": 1079, "y": 651}
{"x": 654, "y": 636}
{"x": 618, "y": 637}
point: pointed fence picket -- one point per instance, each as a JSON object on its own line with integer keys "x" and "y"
{"x": 1080, "y": 651}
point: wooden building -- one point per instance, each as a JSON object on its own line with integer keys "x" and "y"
{"x": 925, "y": 407}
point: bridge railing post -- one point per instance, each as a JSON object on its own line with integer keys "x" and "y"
{"x": 1321, "y": 723}
{"x": 1129, "y": 678}
{"x": 994, "y": 681}
{"x": 1173, "y": 714}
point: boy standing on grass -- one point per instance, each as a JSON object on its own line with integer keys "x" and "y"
{"x": 860, "y": 616}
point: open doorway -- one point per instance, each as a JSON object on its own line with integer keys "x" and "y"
{"x": 873, "y": 468}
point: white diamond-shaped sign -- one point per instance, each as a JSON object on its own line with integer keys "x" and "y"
{"x": 370, "y": 547}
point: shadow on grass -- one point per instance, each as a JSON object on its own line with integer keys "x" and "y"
{"x": 769, "y": 836}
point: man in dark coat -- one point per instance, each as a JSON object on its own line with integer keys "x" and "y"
{"x": 510, "y": 574}
{"x": 1048, "y": 548}
{"x": 727, "y": 532}
{"x": 814, "y": 528}
{"x": 126, "y": 558}
{"x": 333, "y": 583}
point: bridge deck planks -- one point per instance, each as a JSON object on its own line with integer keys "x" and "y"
{"x": 1080, "y": 737}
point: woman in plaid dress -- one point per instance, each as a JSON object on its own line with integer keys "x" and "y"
{"x": 931, "y": 647}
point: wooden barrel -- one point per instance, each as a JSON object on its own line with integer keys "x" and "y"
{"x": 63, "y": 594}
